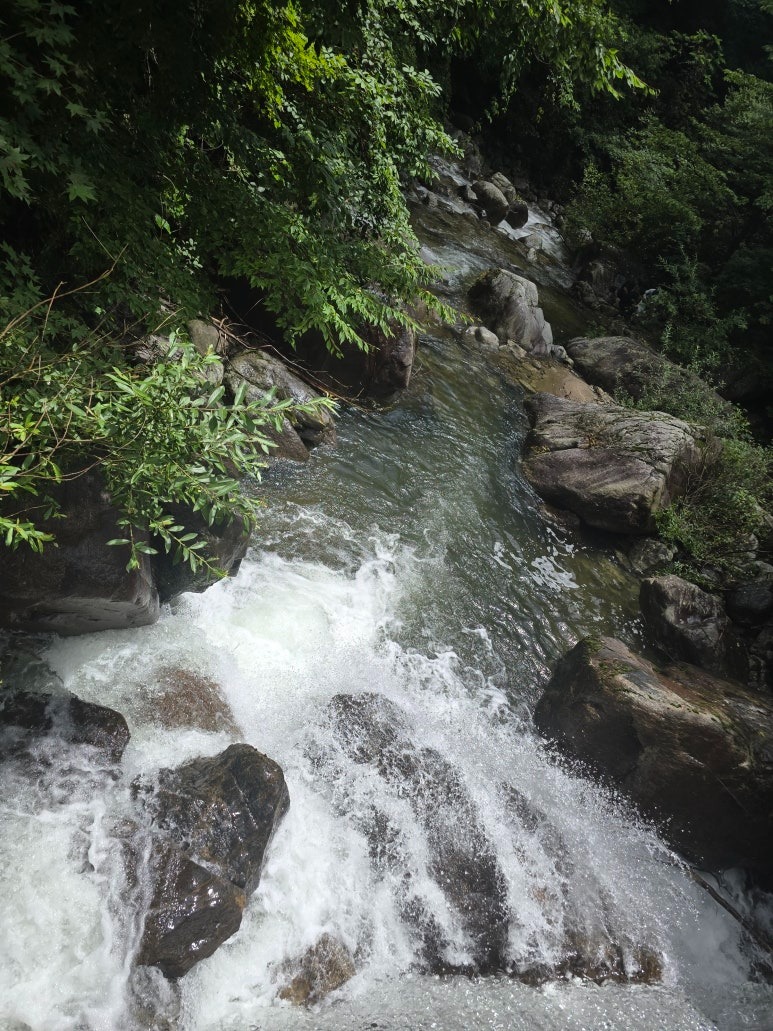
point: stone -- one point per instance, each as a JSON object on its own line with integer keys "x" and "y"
{"x": 750, "y": 604}
{"x": 208, "y": 340}
{"x": 493, "y": 202}
{"x": 518, "y": 210}
{"x": 212, "y": 820}
{"x": 226, "y": 546}
{"x": 481, "y": 336}
{"x": 545, "y": 375}
{"x": 182, "y": 698}
{"x": 509, "y": 306}
{"x": 322, "y": 969}
{"x": 81, "y": 585}
{"x": 262, "y": 372}
{"x": 612, "y": 466}
{"x": 689, "y": 625}
{"x": 223, "y": 810}
{"x": 192, "y": 912}
{"x": 648, "y": 553}
{"x": 693, "y": 751}
{"x": 27, "y": 716}
{"x": 619, "y": 363}
{"x": 371, "y": 730}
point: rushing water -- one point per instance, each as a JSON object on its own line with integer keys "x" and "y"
{"x": 411, "y": 561}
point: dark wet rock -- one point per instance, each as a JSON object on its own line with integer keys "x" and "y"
{"x": 690, "y": 625}
{"x": 508, "y": 304}
{"x": 184, "y": 698}
{"x": 492, "y": 201}
{"x": 223, "y": 810}
{"x": 619, "y": 363}
{"x": 518, "y": 210}
{"x": 369, "y": 729}
{"x": 192, "y": 912}
{"x": 695, "y": 752}
{"x": 81, "y": 585}
{"x": 322, "y": 969}
{"x": 26, "y": 717}
{"x": 601, "y": 960}
{"x": 212, "y": 821}
{"x": 648, "y": 553}
{"x": 612, "y": 466}
{"x": 750, "y": 604}
{"x": 226, "y": 546}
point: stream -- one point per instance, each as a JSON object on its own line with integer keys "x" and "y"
{"x": 412, "y": 561}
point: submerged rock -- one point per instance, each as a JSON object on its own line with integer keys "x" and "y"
{"x": 322, "y": 969}
{"x": 370, "y": 730}
{"x": 27, "y": 716}
{"x": 693, "y": 751}
{"x": 184, "y": 698}
{"x": 214, "y": 818}
{"x": 612, "y": 466}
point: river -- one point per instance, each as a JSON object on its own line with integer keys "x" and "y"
{"x": 413, "y": 561}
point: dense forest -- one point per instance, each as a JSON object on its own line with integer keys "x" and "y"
{"x": 152, "y": 154}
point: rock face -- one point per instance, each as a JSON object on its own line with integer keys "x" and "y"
{"x": 262, "y": 372}
{"x": 370, "y": 730}
{"x": 509, "y": 306}
{"x": 82, "y": 584}
{"x": 612, "y": 466}
{"x": 690, "y": 749}
{"x": 227, "y": 545}
{"x": 544, "y": 375}
{"x": 216, "y": 817}
{"x": 690, "y": 625}
{"x": 25, "y": 716}
{"x": 322, "y": 969}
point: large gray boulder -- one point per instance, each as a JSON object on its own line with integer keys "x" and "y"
{"x": 690, "y": 625}
{"x": 619, "y": 363}
{"x": 213, "y": 819}
{"x": 80, "y": 585}
{"x": 509, "y": 306}
{"x": 491, "y": 201}
{"x": 693, "y": 751}
{"x": 262, "y": 372}
{"x": 613, "y": 467}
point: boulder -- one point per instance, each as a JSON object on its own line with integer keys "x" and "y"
{"x": 509, "y": 306}
{"x": 612, "y": 466}
{"x": 690, "y": 625}
{"x": 544, "y": 375}
{"x": 213, "y": 819}
{"x": 648, "y": 553}
{"x": 370, "y": 730}
{"x": 619, "y": 363}
{"x": 491, "y": 201}
{"x": 27, "y": 716}
{"x": 80, "y": 584}
{"x": 223, "y": 810}
{"x": 183, "y": 698}
{"x": 208, "y": 340}
{"x": 262, "y": 372}
{"x": 693, "y": 751}
{"x": 226, "y": 546}
{"x": 518, "y": 210}
{"x": 322, "y": 969}
{"x": 191, "y": 913}
{"x": 750, "y": 604}
{"x": 482, "y": 337}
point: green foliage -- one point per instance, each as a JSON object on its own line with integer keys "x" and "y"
{"x": 723, "y": 508}
{"x": 160, "y": 436}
